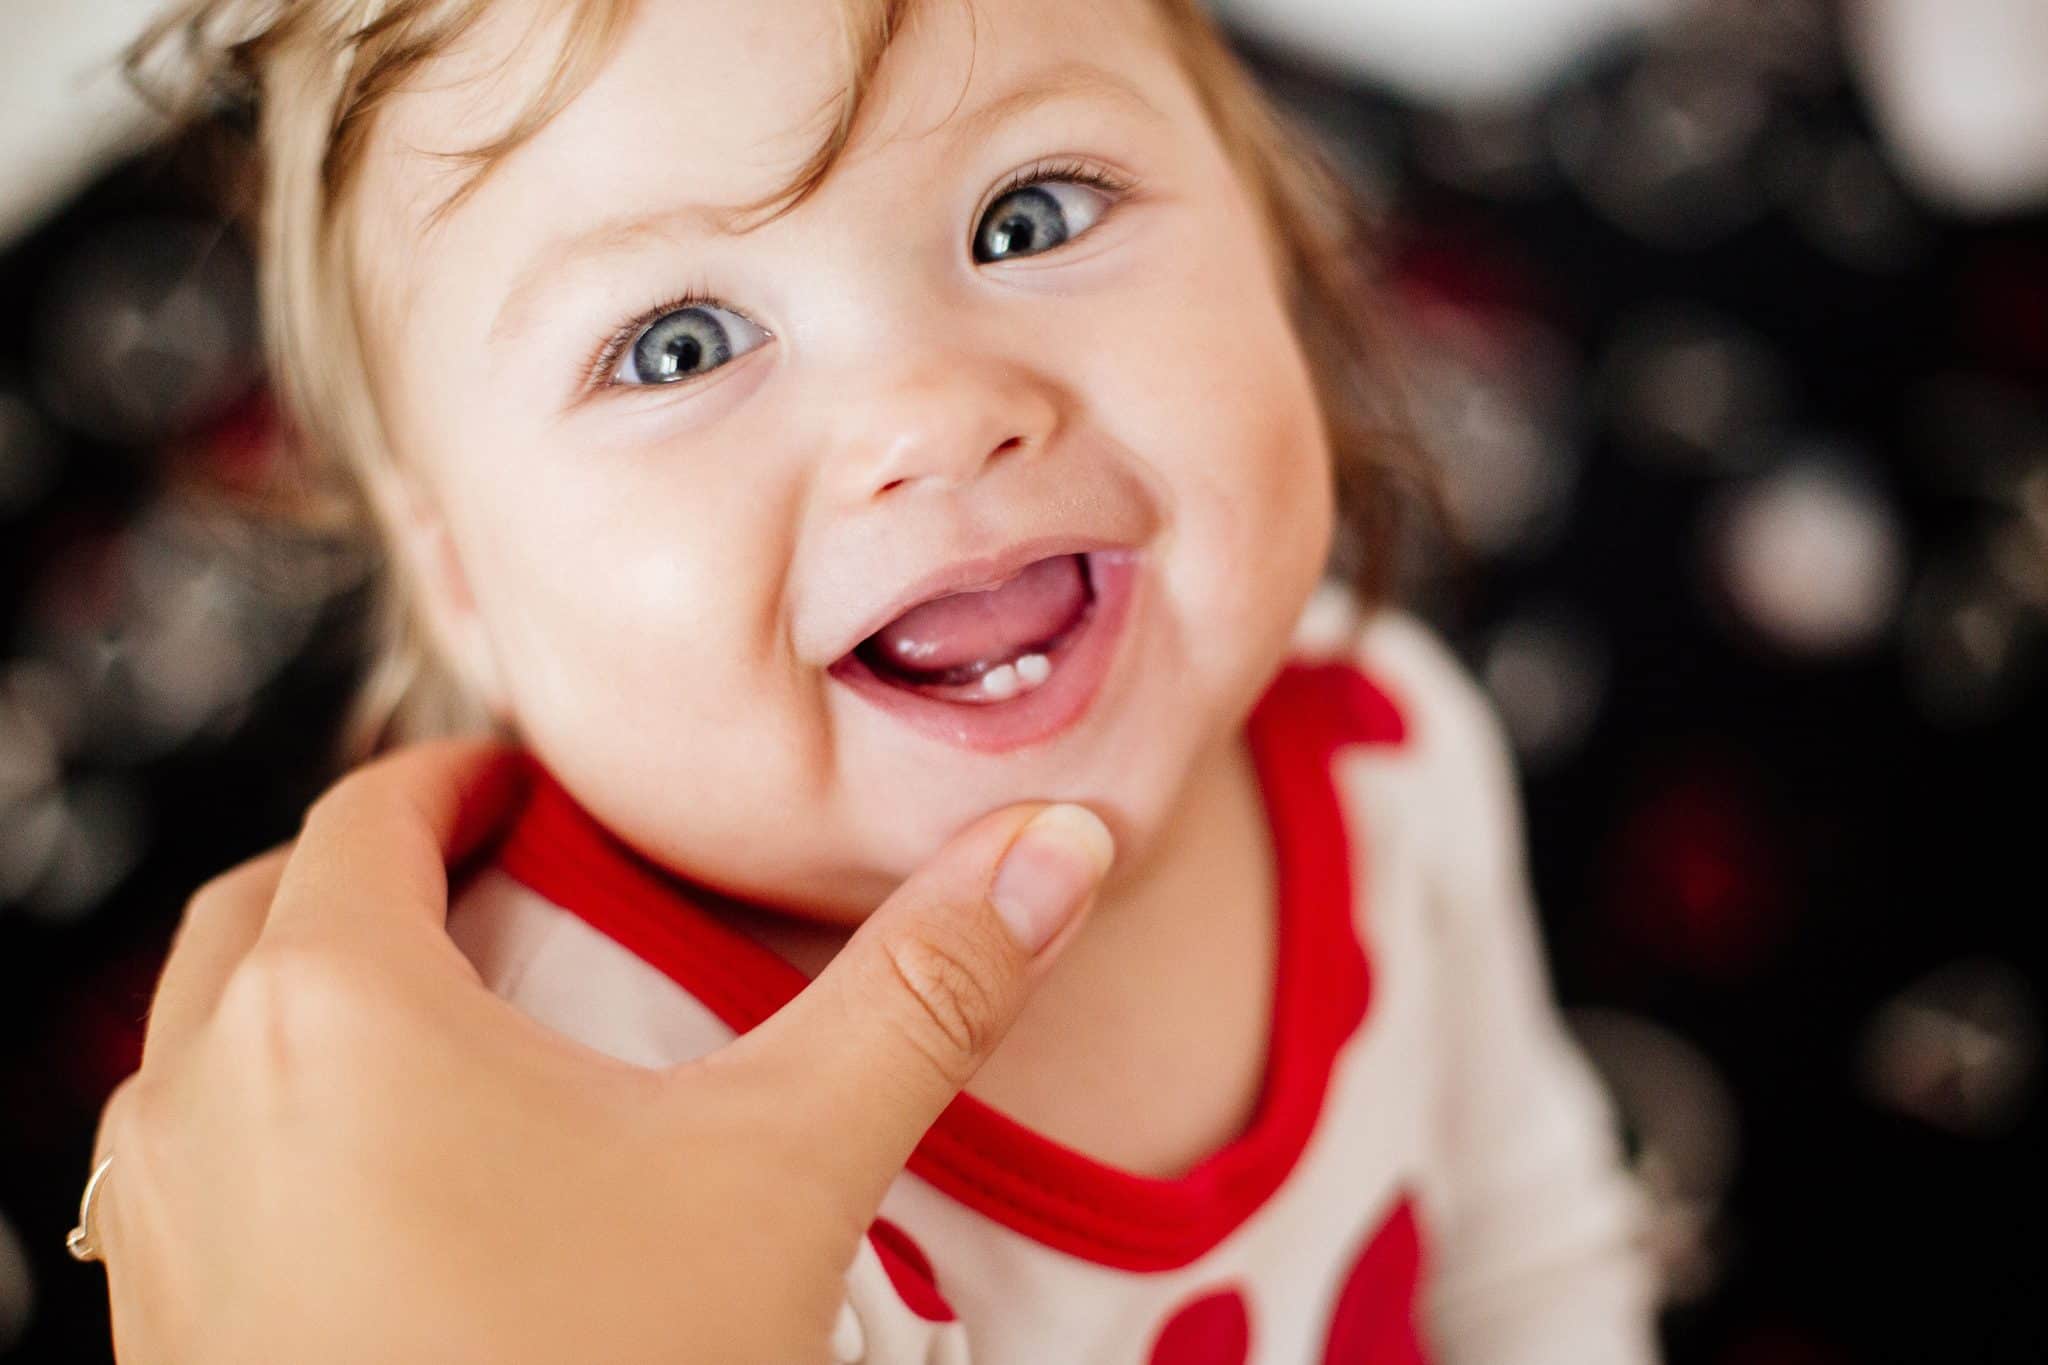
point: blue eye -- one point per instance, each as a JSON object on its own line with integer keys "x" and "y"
{"x": 683, "y": 342}
{"x": 1036, "y": 217}
{"x": 1040, "y": 208}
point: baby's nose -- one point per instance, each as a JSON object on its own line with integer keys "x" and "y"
{"x": 938, "y": 423}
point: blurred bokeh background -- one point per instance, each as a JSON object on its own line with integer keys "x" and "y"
{"x": 1730, "y": 320}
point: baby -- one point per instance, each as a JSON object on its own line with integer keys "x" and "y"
{"x": 807, "y": 425}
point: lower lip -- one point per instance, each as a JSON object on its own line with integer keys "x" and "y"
{"x": 1079, "y": 664}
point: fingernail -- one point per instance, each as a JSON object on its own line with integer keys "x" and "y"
{"x": 1050, "y": 869}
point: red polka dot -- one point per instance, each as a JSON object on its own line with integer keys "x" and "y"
{"x": 1214, "y": 1329}
{"x": 910, "y": 1270}
{"x": 1374, "y": 1321}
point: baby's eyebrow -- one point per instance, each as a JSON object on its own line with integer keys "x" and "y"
{"x": 1062, "y": 81}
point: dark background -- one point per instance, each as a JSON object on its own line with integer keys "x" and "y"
{"x": 1751, "y": 446}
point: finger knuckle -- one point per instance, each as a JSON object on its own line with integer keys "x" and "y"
{"x": 122, "y": 1116}
{"x": 221, "y": 900}
{"x": 288, "y": 1006}
{"x": 214, "y": 895}
{"x": 946, "y": 976}
{"x": 335, "y": 803}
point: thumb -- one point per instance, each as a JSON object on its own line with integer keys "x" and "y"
{"x": 878, "y": 1045}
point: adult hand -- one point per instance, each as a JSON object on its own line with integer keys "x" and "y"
{"x": 341, "y": 1147}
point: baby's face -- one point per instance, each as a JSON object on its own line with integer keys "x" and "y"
{"x": 790, "y": 552}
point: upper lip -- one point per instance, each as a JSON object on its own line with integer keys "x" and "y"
{"x": 967, "y": 575}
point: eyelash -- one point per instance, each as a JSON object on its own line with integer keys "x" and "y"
{"x": 1057, "y": 168}
{"x": 613, "y": 347}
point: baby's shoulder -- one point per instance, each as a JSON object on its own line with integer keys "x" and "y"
{"x": 1450, "y": 771}
{"x": 1445, "y": 714}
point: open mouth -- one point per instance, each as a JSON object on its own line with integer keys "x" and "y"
{"x": 996, "y": 667}
{"x": 989, "y": 645}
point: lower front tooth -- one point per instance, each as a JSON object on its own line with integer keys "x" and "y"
{"x": 1034, "y": 669}
{"x": 1000, "y": 682}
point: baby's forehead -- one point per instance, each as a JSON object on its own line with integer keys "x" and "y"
{"x": 728, "y": 100}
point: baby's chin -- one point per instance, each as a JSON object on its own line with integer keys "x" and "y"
{"x": 897, "y": 834}
{"x": 1136, "y": 769}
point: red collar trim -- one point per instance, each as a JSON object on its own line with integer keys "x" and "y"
{"x": 975, "y": 1153}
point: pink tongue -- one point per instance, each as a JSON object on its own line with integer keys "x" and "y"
{"x": 992, "y": 625}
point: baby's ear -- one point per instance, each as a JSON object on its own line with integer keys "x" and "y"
{"x": 431, "y": 571}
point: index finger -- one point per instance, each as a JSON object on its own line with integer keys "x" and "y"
{"x": 380, "y": 841}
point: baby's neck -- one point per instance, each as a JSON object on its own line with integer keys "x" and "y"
{"x": 1145, "y": 1043}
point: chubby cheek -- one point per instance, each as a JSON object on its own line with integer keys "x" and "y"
{"x": 633, "y": 621}
{"x": 1259, "y": 541}
{"x": 1238, "y": 449}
